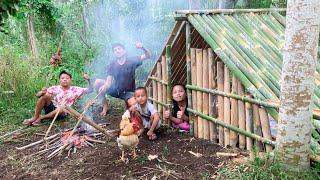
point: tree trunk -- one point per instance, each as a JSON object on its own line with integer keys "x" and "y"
{"x": 32, "y": 38}
{"x": 227, "y": 4}
{"x": 299, "y": 62}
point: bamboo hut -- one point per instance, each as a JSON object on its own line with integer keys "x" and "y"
{"x": 241, "y": 51}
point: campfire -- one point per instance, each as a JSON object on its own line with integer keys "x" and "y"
{"x": 68, "y": 140}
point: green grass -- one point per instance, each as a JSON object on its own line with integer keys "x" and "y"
{"x": 266, "y": 169}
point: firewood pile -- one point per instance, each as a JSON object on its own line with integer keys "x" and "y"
{"x": 67, "y": 141}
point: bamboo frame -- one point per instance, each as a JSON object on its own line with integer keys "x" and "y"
{"x": 242, "y": 116}
{"x": 212, "y": 85}
{"x": 220, "y": 80}
{"x": 205, "y": 96}
{"x": 234, "y": 113}
{"x": 265, "y": 126}
{"x": 249, "y": 125}
{"x": 164, "y": 88}
{"x": 159, "y": 103}
{"x": 257, "y": 126}
{"x": 199, "y": 68}
{"x": 158, "y": 80}
{"x": 226, "y": 103}
{"x": 168, "y": 74}
{"x": 159, "y": 89}
{"x": 194, "y": 119}
{"x": 154, "y": 90}
{"x": 188, "y": 61}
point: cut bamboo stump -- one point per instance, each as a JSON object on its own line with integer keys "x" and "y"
{"x": 249, "y": 125}
{"x": 265, "y": 126}
{"x": 212, "y": 85}
{"x": 205, "y": 96}
{"x": 242, "y": 116}
{"x": 234, "y": 113}
{"x": 159, "y": 88}
{"x": 194, "y": 93}
{"x": 199, "y": 67}
{"x": 220, "y": 81}
{"x": 257, "y": 126}
{"x": 164, "y": 88}
{"x": 227, "y": 111}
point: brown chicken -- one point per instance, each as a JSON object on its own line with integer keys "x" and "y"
{"x": 128, "y": 138}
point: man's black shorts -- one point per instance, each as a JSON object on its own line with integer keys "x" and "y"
{"x": 49, "y": 108}
{"x": 124, "y": 95}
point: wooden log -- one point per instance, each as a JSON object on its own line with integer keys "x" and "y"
{"x": 164, "y": 87}
{"x": 257, "y": 126}
{"x": 265, "y": 126}
{"x": 242, "y": 116}
{"x": 37, "y": 142}
{"x": 199, "y": 61}
{"x": 220, "y": 81}
{"x": 205, "y": 96}
{"x": 159, "y": 88}
{"x": 226, "y": 102}
{"x": 249, "y": 125}
{"x": 86, "y": 119}
{"x": 234, "y": 113}
{"x": 193, "y": 92}
{"x": 224, "y": 154}
{"x": 212, "y": 85}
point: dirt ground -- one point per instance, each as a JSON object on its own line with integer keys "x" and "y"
{"x": 174, "y": 160}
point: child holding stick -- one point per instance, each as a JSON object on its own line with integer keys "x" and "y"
{"x": 179, "y": 116}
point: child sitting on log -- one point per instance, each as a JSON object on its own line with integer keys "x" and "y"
{"x": 64, "y": 95}
{"x": 179, "y": 116}
{"x": 150, "y": 116}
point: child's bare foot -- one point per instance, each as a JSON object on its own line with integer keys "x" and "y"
{"x": 152, "y": 137}
{"x": 29, "y": 121}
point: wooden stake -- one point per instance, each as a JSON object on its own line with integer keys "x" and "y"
{"x": 193, "y": 92}
{"x": 199, "y": 62}
{"x": 257, "y": 126}
{"x": 52, "y": 122}
{"x": 37, "y": 142}
{"x": 205, "y": 96}
{"x": 265, "y": 127}
{"x": 212, "y": 85}
{"x": 234, "y": 113}
{"x": 164, "y": 88}
{"x": 242, "y": 116}
{"x": 220, "y": 81}
{"x": 159, "y": 88}
{"x": 226, "y": 102}
{"x": 249, "y": 124}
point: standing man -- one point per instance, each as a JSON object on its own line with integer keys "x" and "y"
{"x": 120, "y": 81}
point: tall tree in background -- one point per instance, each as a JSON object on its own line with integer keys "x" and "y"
{"x": 32, "y": 37}
{"x": 297, "y": 83}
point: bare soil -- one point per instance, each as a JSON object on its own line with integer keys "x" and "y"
{"x": 174, "y": 160}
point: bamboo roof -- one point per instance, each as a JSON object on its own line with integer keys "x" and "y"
{"x": 249, "y": 42}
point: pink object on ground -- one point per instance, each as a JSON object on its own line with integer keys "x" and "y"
{"x": 183, "y": 126}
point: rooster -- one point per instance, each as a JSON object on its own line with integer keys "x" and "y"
{"x": 128, "y": 138}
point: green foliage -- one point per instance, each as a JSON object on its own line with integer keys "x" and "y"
{"x": 7, "y": 7}
{"x": 265, "y": 169}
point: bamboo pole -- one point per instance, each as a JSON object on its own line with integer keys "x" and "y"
{"x": 199, "y": 62}
{"x": 212, "y": 85}
{"x": 234, "y": 113}
{"x": 265, "y": 126}
{"x": 205, "y": 96}
{"x": 158, "y": 80}
{"x": 159, "y": 89}
{"x": 257, "y": 126}
{"x": 159, "y": 103}
{"x": 193, "y": 92}
{"x": 226, "y": 108}
{"x": 168, "y": 74}
{"x": 242, "y": 116}
{"x": 224, "y": 11}
{"x": 164, "y": 88}
{"x": 240, "y": 131}
{"x": 189, "y": 75}
{"x": 220, "y": 80}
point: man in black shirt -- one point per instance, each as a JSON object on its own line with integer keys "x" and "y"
{"x": 120, "y": 81}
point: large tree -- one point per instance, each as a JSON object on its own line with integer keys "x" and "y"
{"x": 297, "y": 83}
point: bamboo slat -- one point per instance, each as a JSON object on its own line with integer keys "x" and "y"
{"x": 234, "y": 113}
{"x": 194, "y": 93}
{"x": 205, "y": 96}
{"x": 212, "y": 85}
{"x": 226, "y": 102}
{"x": 188, "y": 61}
{"x": 242, "y": 116}
{"x": 265, "y": 126}
{"x": 154, "y": 91}
{"x": 220, "y": 81}
{"x": 164, "y": 87}
{"x": 159, "y": 88}
{"x": 199, "y": 61}
{"x": 257, "y": 126}
{"x": 249, "y": 125}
